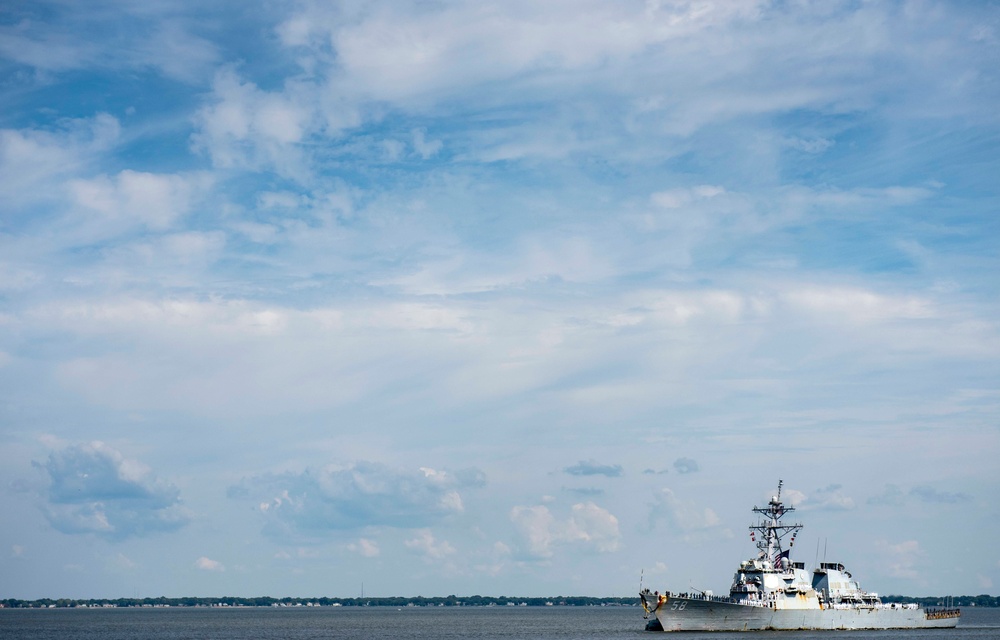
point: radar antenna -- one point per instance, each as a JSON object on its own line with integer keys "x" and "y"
{"x": 772, "y": 531}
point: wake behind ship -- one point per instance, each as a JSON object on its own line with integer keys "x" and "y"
{"x": 770, "y": 591}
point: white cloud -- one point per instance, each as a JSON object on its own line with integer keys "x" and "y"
{"x": 534, "y": 260}
{"x": 359, "y": 59}
{"x": 95, "y": 489}
{"x": 593, "y": 468}
{"x": 857, "y": 305}
{"x": 15, "y": 278}
{"x": 810, "y": 145}
{"x": 536, "y": 525}
{"x": 858, "y": 199}
{"x": 829, "y": 498}
{"x": 587, "y": 525}
{"x": 479, "y": 230}
{"x": 793, "y": 497}
{"x": 678, "y": 198}
{"x": 422, "y": 146}
{"x": 686, "y": 465}
{"x": 132, "y": 197}
{"x": 683, "y": 516}
{"x": 121, "y": 562}
{"x": 178, "y": 52}
{"x": 408, "y": 55}
{"x": 247, "y": 127}
{"x": 319, "y": 502}
{"x": 930, "y": 494}
{"x": 594, "y": 526}
{"x": 891, "y": 496}
{"x": 901, "y": 558}
{"x": 35, "y": 162}
{"x": 365, "y": 547}
{"x": 183, "y": 347}
{"x": 207, "y": 564}
{"x": 429, "y": 547}
{"x": 59, "y": 41}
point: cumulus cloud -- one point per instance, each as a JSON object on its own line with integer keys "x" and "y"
{"x": 365, "y": 547}
{"x": 588, "y": 525}
{"x": 895, "y": 496}
{"x": 793, "y": 497}
{"x": 829, "y": 498}
{"x": 683, "y": 516}
{"x": 685, "y": 465}
{"x": 429, "y": 547}
{"x": 593, "y": 468}
{"x": 891, "y": 496}
{"x": 930, "y": 494}
{"x": 207, "y": 564}
{"x": 247, "y": 127}
{"x": 361, "y": 494}
{"x": 140, "y": 198}
{"x": 121, "y": 562}
{"x": 901, "y": 558}
{"x": 95, "y": 489}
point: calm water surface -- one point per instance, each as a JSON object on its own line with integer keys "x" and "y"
{"x": 539, "y": 623}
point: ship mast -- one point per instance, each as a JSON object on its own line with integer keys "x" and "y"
{"x": 769, "y": 532}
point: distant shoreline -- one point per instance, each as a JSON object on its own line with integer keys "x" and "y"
{"x": 400, "y": 601}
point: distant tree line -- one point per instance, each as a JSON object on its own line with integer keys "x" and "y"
{"x": 267, "y": 601}
{"x": 418, "y": 601}
{"x": 944, "y": 601}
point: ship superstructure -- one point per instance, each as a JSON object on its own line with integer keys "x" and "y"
{"x": 772, "y": 591}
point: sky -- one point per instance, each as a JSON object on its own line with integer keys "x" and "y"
{"x": 498, "y": 298}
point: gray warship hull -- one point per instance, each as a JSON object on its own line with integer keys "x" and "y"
{"x": 697, "y": 614}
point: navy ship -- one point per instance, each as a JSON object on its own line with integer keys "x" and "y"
{"x": 771, "y": 591}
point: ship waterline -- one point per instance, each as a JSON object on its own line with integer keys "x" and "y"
{"x": 771, "y": 591}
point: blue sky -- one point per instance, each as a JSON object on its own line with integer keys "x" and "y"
{"x": 497, "y": 298}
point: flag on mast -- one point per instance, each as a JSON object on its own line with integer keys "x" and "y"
{"x": 779, "y": 557}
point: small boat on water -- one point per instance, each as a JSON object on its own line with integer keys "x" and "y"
{"x": 771, "y": 591}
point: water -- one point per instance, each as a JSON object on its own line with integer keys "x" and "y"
{"x": 336, "y": 623}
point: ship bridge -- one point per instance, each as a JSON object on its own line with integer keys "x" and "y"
{"x": 837, "y": 585}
